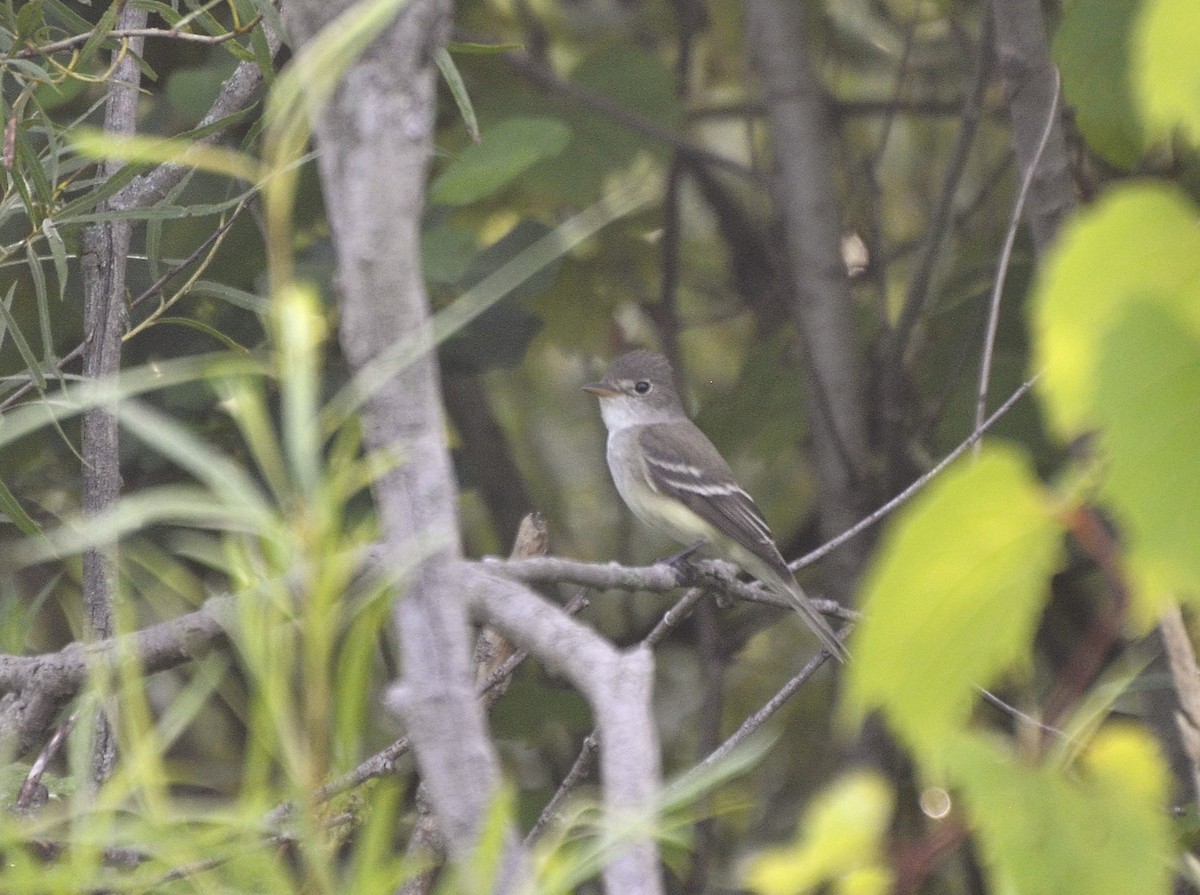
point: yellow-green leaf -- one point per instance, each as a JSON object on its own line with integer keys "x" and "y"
{"x": 1166, "y": 69}
{"x": 841, "y": 838}
{"x": 1147, "y": 401}
{"x": 1044, "y": 832}
{"x": 1138, "y": 240}
{"x": 953, "y": 599}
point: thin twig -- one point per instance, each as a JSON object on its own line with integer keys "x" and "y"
{"x": 989, "y": 342}
{"x": 28, "y": 796}
{"x": 587, "y": 750}
{"x": 1012, "y": 711}
{"x": 839, "y": 108}
{"x": 154, "y": 288}
{"x": 893, "y": 504}
{"x": 755, "y": 722}
{"x": 1182, "y": 660}
{"x": 75, "y": 40}
{"x": 579, "y": 771}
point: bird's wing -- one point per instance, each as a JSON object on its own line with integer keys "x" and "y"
{"x": 692, "y": 470}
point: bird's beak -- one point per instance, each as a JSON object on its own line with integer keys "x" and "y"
{"x": 600, "y": 390}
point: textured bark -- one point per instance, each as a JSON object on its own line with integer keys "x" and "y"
{"x": 375, "y": 141}
{"x": 105, "y": 250}
{"x": 37, "y": 688}
{"x": 618, "y": 687}
{"x": 1023, "y": 56}
{"x": 803, "y": 188}
{"x": 106, "y": 246}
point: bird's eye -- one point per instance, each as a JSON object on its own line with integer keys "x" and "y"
{"x": 642, "y": 387}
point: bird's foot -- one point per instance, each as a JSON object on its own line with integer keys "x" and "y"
{"x": 681, "y": 560}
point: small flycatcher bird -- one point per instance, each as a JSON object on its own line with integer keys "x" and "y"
{"x": 675, "y": 481}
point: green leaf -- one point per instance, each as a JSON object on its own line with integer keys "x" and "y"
{"x": 99, "y": 33}
{"x": 16, "y": 514}
{"x": 503, "y": 154}
{"x": 169, "y": 504}
{"x": 477, "y": 49}
{"x": 1147, "y": 401}
{"x": 10, "y": 325}
{"x": 458, "y": 90}
{"x": 232, "y": 488}
{"x": 30, "y": 18}
{"x": 299, "y": 332}
{"x": 1092, "y": 48}
{"x": 239, "y": 298}
{"x": 157, "y": 150}
{"x": 843, "y": 836}
{"x": 58, "y": 253}
{"x": 1043, "y": 832}
{"x": 953, "y": 600}
{"x": 1136, "y": 241}
{"x": 202, "y": 327}
{"x": 1166, "y": 67}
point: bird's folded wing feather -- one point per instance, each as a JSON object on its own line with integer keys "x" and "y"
{"x": 693, "y": 471}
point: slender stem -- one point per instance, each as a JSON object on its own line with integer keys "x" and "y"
{"x": 989, "y": 342}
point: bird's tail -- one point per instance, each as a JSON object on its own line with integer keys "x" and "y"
{"x": 794, "y": 594}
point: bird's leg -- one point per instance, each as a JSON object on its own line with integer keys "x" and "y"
{"x": 680, "y": 559}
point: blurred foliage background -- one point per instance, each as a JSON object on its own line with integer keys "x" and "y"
{"x": 573, "y": 100}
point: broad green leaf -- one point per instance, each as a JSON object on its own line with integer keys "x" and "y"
{"x": 1092, "y": 49}
{"x": 504, "y": 153}
{"x": 1043, "y": 832}
{"x": 1166, "y": 67}
{"x": 843, "y": 835}
{"x": 1137, "y": 241}
{"x": 1147, "y": 401}
{"x": 953, "y": 599}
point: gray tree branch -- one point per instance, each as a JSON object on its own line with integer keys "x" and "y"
{"x": 235, "y": 94}
{"x": 375, "y": 140}
{"x": 105, "y": 250}
{"x": 618, "y": 686}
{"x": 37, "y": 688}
{"x": 805, "y": 196}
